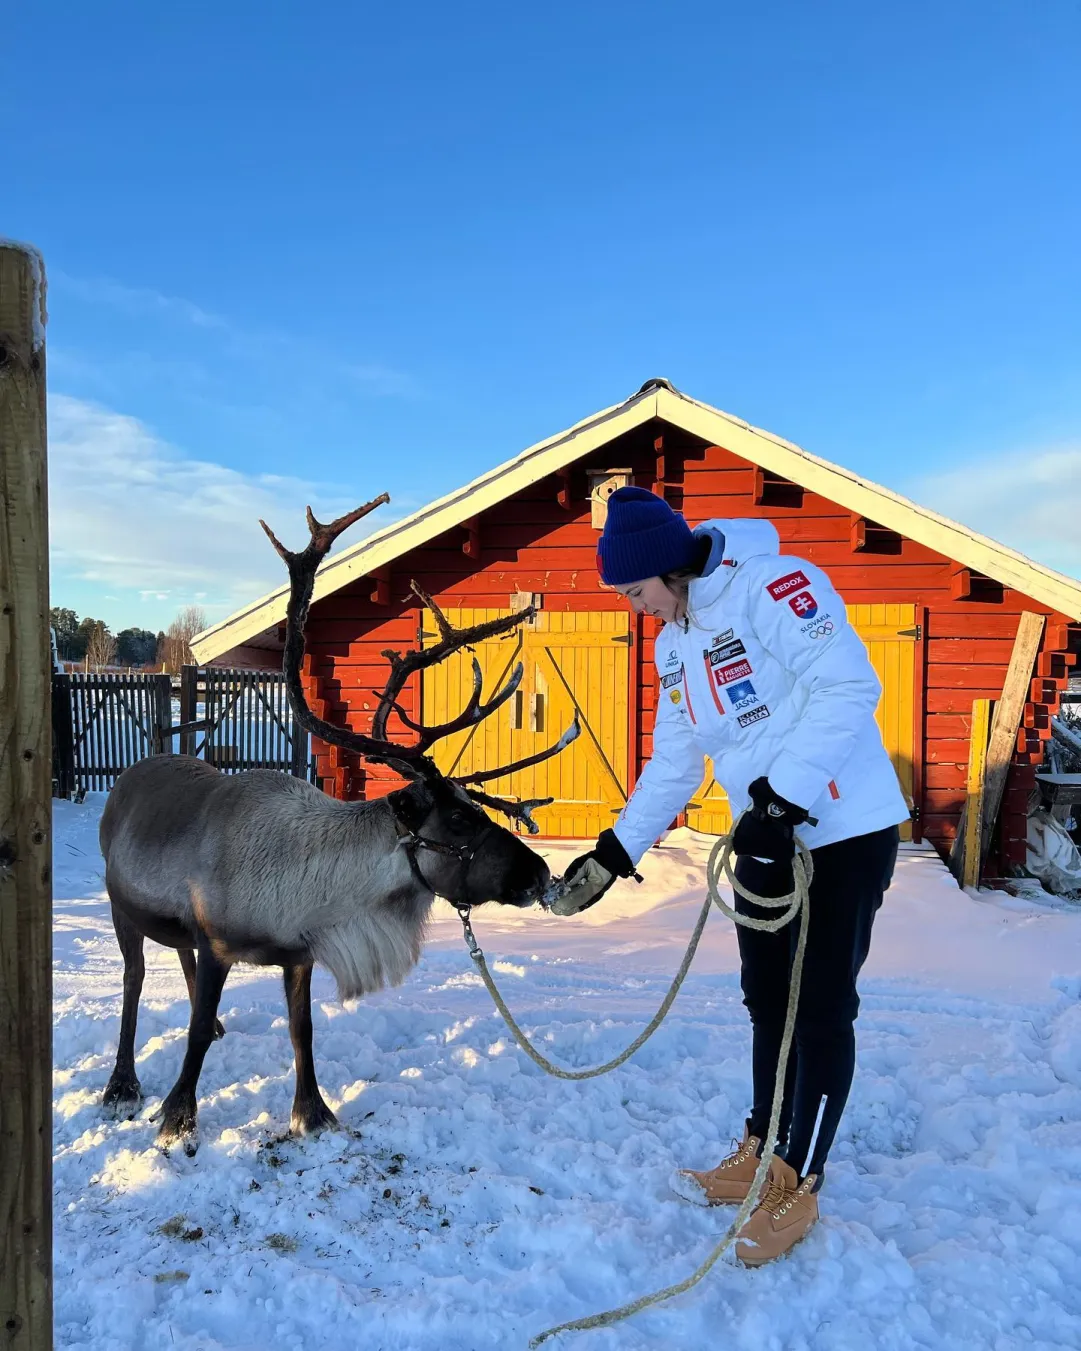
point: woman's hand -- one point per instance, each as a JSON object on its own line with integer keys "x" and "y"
{"x": 590, "y": 875}
{"x": 767, "y": 829}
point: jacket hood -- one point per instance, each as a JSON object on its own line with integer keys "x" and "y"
{"x": 743, "y": 538}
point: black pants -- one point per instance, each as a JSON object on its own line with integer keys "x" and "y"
{"x": 850, "y": 879}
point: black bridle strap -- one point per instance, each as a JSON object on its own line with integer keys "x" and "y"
{"x": 464, "y": 853}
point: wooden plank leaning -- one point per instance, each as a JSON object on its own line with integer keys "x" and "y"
{"x": 1005, "y": 724}
{"x": 1007, "y": 721}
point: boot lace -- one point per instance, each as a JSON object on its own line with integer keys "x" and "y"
{"x": 786, "y": 1197}
{"x": 774, "y": 1196}
{"x": 738, "y": 1151}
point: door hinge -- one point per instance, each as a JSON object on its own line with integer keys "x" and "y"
{"x": 916, "y": 632}
{"x": 627, "y": 638}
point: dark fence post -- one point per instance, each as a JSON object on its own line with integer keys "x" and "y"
{"x": 163, "y": 714}
{"x": 189, "y": 703}
{"x": 63, "y": 737}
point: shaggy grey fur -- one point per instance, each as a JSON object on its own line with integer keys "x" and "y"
{"x": 264, "y": 865}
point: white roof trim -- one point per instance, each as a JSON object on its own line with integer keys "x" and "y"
{"x": 759, "y": 447}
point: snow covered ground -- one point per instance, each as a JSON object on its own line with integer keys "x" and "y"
{"x": 471, "y": 1201}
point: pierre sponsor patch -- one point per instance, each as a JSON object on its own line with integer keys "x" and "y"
{"x": 753, "y": 715}
{"x": 738, "y": 670}
{"x": 785, "y": 586}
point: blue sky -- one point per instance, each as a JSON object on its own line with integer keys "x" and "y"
{"x": 327, "y": 251}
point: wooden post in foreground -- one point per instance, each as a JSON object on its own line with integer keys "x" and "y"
{"x": 25, "y": 815}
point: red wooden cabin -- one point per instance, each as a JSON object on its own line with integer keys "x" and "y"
{"x": 937, "y": 605}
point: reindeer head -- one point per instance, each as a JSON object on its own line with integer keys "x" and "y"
{"x": 454, "y": 848}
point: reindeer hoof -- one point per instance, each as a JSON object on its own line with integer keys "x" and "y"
{"x": 123, "y": 1096}
{"x": 312, "y": 1116}
{"x": 179, "y": 1125}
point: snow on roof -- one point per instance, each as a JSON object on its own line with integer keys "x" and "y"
{"x": 657, "y": 399}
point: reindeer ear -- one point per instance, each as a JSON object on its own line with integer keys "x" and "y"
{"x": 411, "y": 806}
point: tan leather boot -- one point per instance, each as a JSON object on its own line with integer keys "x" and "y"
{"x": 725, "y": 1185}
{"x": 786, "y": 1212}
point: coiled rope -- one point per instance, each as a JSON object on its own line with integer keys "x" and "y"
{"x": 796, "y": 902}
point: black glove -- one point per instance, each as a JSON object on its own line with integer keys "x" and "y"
{"x": 767, "y": 828}
{"x": 595, "y": 871}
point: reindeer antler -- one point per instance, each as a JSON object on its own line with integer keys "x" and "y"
{"x": 302, "y": 568}
{"x": 451, "y": 640}
{"x": 409, "y": 760}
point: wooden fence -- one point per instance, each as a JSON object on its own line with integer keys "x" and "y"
{"x": 233, "y": 719}
{"x": 248, "y": 723}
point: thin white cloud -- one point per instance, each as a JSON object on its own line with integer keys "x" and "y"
{"x": 1030, "y": 500}
{"x": 259, "y": 345}
{"x": 138, "y": 300}
{"x": 129, "y": 512}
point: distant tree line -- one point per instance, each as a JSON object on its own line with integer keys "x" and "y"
{"x": 91, "y": 641}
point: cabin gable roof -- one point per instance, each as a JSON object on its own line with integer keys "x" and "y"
{"x": 656, "y": 399}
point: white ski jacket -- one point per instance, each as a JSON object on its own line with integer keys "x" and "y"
{"x": 768, "y": 677}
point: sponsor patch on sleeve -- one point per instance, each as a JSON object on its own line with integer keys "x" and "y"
{"x": 753, "y": 715}
{"x": 672, "y": 678}
{"x": 785, "y": 586}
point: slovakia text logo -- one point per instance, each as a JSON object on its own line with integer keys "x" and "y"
{"x": 784, "y": 586}
{"x": 742, "y": 694}
{"x": 804, "y": 605}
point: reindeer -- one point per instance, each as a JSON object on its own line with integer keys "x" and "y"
{"x": 262, "y": 868}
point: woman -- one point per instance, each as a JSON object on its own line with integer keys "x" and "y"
{"x": 760, "y": 670}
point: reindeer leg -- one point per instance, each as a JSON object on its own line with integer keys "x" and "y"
{"x": 187, "y": 963}
{"x": 179, "y": 1110}
{"x": 123, "y": 1094}
{"x": 310, "y": 1113}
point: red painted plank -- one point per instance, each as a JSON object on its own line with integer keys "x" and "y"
{"x": 984, "y": 651}
{"x": 946, "y": 776}
{"x": 948, "y": 752}
{"x": 985, "y": 682}
{"x": 959, "y": 700}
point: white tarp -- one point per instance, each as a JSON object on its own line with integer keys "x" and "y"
{"x": 1052, "y": 855}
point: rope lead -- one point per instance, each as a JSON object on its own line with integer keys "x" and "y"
{"x": 794, "y": 903}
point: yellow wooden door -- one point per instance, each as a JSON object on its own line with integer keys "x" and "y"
{"x": 889, "y": 633}
{"x": 576, "y": 661}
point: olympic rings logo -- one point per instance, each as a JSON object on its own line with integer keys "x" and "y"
{"x": 822, "y": 631}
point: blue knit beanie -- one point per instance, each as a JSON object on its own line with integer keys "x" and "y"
{"x": 642, "y": 537}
